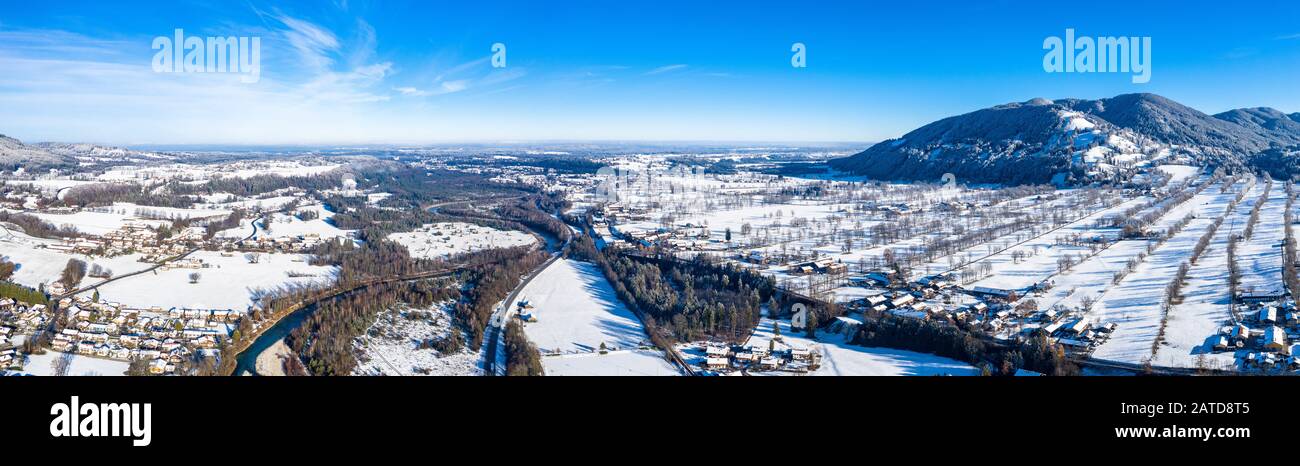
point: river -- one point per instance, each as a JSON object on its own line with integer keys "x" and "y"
{"x": 247, "y": 360}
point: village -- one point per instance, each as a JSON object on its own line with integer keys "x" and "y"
{"x": 1011, "y": 264}
{"x": 163, "y": 338}
{"x": 264, "y": 238}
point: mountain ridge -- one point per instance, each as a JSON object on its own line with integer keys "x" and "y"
{"x": 1080, "y": 141}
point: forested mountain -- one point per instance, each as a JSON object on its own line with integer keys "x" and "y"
{"x": 1074, "y": 141}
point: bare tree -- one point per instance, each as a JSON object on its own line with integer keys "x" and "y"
{"x": 62, "y": 364}
{"x": 73, "y": 273}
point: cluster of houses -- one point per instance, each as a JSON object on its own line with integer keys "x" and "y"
{"x": 293, "y": 244}
{"x": 141, "y": 237}
{"x": 133, "y": 237}
{"x": 826, "y": 266}
{"x": 723, "y": 358}
{"x": 687, "y": 237}
{"x": 17, "y": 318}
{"x": 684, "y": 237}
{"x": 991, "y": 310}
{"x": 1263, "y": 339}
{"x": 1077, "y": 333}
{"x": 618, "y": 212}
{"x": 164, "y": 337}
{"x": 889, "y": 210}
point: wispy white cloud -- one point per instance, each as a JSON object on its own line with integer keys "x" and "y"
{"x": 53, "y": 79}
{"x": 476, "y": 75}
{"x": 315, "y": 45}
{"x": 411, "y": 91}
{"x": 1288, "y": 36}
{"x": 666, "y": 69}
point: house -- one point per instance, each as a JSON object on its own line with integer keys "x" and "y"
{"x": 1053, "y": 327}
{"x": 158, "y": 366}
{"x": 715, "y": 363}
{"x": 1240, "y": 333}
{"x": 1268, "y": 315}
{"x": 1261, "y": 296}
{"x": 877, "y": 278}
{"x": 1274, "y": 339}
{"x": 1220, "y": 343}
{"x": 994, "y": 293}
{"x": 902, "y": 301}
{"x": 1079, "y": 326}
{"x": 716, "y": 352}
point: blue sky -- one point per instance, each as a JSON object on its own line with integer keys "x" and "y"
{"x": 357, "y": 72}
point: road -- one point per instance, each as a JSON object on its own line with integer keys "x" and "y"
{"x": 502, "y": 312}
{"x": 156, "y": 266}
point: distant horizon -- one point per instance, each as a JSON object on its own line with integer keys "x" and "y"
{"x": 560, "y": 141}
{"x": 486, "y": 144}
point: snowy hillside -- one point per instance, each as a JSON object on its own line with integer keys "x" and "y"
{"x": 1078, "y": 141}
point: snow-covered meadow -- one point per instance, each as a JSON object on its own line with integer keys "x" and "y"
{"x": 451, "y": 238}
{"x": 229, "y": 281}
{"x": 577, "y": 312}
{"x": 392, "y": 345}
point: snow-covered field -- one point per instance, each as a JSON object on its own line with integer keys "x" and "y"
{"x": 289, "y": 225}
{"x": 37, "y": 265}
{"x": 43, "y": 364}
{"x": 1260, "y": 257}
{"x": 1041, "y": 254}
{"x": 93, "y": 223}
{"x": 1179, "y": 173}
{"x": 269, "y": 203}
{"x": 451, "y": 238}
{"x": 576, "y": 312}
{"x": 1135, "y": 304}
{"x": 1206, "y": 302}
{"x": 50, "y": 186}
{"x": 390, "y": 346}
{"x": 841, "y": 358}
{"x": 615, "y": 363}
{"x": 229, "y": 282}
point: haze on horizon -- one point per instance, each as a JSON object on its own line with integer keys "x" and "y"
{"x": 409, "y": 72}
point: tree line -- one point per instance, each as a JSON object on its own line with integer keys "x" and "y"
{"x": 943, "y": 339}
{"x": 35, "y": 227}
{"x": 324, "y": 340}
{"x": 690, "y": 300}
